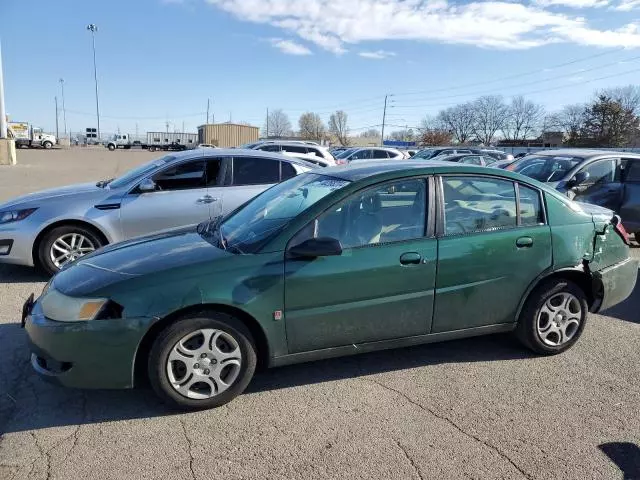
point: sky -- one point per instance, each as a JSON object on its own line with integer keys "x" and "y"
{"x": 159, "y": 61}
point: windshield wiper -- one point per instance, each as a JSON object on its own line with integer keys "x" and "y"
{"x": 104, "y": 183}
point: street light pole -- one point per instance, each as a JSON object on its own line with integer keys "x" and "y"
{"x": 3, "y": 117}
{"x": 93, "y": 29}
{"x": 64, "y": 110}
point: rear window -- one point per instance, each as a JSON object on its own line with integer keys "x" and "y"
{"x": 255, "y": 171}
{"x": 546, "y": 168}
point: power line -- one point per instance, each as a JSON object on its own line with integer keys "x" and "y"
{"x": 163, "y": 117}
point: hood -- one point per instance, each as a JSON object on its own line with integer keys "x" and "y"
{"x": 142, "y": 256}
{"x": 52, "y": 193}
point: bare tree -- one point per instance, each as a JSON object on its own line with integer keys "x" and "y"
{"x": 338, "y": 127}
{"x": 405, "y": 135}
{"x": 278, "y": 124}
{"x": 628, "y": 97}
{"x": 459, "y": 121}
{"x": 372, "y": 132}
{"x": 490, "y": 114}
{"x": 569, "y": 121}
{"x": 524, "y": 118}
{"x": 311, "y": 126}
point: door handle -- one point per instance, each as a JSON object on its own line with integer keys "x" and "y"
{"x": 524, "y": 242}
{"x": 410, "y": 258}
{"x": 207, "y": 199}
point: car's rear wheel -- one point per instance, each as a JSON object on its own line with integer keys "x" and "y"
{"x": 553, "y": 317}
{"x": 65, "y": 244}
{"x": 111, "y": 147}
{"x": 202, "y": 361}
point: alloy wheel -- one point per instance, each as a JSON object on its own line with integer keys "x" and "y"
{"x": 559, "y": 319}
{"x": 204, "y": 363}
{"x": 70, "y": 247}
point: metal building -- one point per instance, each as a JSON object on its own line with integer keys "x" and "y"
{"x": 227, "y": 134}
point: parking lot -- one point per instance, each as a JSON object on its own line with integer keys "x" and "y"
{"x": 476, "y": 408}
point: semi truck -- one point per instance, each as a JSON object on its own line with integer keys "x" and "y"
{"x": 28, "y": 136}
{"x": 154, "y": 141}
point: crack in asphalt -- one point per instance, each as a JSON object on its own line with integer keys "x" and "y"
{"x": 453, "y": 424}
{"x": 189, "y": 448}
{"x": 413, "y": 464}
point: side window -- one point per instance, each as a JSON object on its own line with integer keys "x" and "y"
{"x": 294, "y": 149}
{"x": 461, "y": 151}
{"x": 391, "y": 212}
{"x": 184, "y": 176}
{"x": 471, "y": 160}
{"x": 530, "y": 206}
{"x": 632, "y": 171}
{"x": 270, "y": 148}
{"x": 601, "y": 172}
{"x": 363, "y": 154}
{"x": 287, "y": 171}
{"x": 477, "y": 204}
{"x": 380, "y": 154}
{"x": 314, "y": 151}
{"x": 214, "y": 165}
{"x": 255, "y": 171}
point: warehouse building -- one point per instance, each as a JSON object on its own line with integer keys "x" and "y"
{"x": 227, "y": 135}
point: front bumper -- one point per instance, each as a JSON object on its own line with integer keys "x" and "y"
{"x": 93, "y": 354}
{"x": 21, "y": 241}
{"x": 615, "y": 283}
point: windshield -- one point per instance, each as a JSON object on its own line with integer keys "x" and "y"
{"x": 266, "y": 215}
{"x": 140, "y": 171}
{"x": 425, "y": 154}
{"x": 546, "y": 168}
{"x": 345, "y": 153}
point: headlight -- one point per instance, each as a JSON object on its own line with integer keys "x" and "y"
{"x": 15, "y": 215}
{"x": 62, "y": 308}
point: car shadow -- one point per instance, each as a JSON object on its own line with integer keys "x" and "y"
{"x": 627, "y": 310}
{"x": 626, "y": 456}
{"x": 20, "y": 274}
{"x": 29, "y": 403}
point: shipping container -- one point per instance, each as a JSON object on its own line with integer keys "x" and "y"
{"x": 189, "y": 140}
{"x": 227, "y": 135}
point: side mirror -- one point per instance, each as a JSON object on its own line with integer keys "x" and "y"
{"x": 578, "y": 179}
{"x": 317, "y": 247}
{"x": 147, "y": 185}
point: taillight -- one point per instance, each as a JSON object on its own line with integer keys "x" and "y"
{"x": 619, "y": 228}
{"x": 511, "y": 167}
{"x": 339, "y": 161}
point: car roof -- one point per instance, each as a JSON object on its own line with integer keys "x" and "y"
{"x": 234, "y": 152}
{"x": 297, "y": 143}
{"x": 585, "y": 153}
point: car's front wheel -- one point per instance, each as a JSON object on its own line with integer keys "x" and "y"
{"x": 553, "y": 317}
{"x": 65, "y": 244}
{"x": 202, "y": 361}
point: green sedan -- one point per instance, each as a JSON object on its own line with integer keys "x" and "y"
{"x": 352, "y": 259}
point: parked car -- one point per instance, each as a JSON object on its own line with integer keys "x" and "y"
{"x": 473, "y": 159}
{"x": 357, "y": 258}
{"x": 606, "y": 178}
{"x": 296, "y": 147}
{"x": 369, "y": 153}
{"x": 206, "y": 145}
{"x": 428, "y": 153}
{"x": 311, "y": 158}
{"x": 54, "y": 227}
{"x": 502, "y": 163}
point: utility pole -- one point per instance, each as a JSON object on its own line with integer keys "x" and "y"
{"x": 384, "y": 118}
{"x": 64, "y": 110}
{"x": 207, "y": 111}
{"x": 167, "y": 124}
{"x": 93, "y": 29}
{"x": 230, "y": 117}
{"x": 136, "y": 130}
{"x": 3, "y": 115}
{"x": 267, "y": 124}
{"x": 57, "y": 132}
{"x": 182, "y": 127}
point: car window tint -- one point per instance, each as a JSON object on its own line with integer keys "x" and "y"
{"x": 471, "y": 160}
{"x": 294, "y": 149}
{"x": 269, "y": 148}
{"x": 287, "y": 171}
{"x": 476, "y": 204}
{"x": 361, "y": 155}
{"x": 530, "y": 206}
{"x": 255, "y": 171}
{"x": 600, "y": 172}
{"x": 392, "y": 212}
{"x": 632, "y": 169}
{"x": 380, "y": 154}
{"x": 214, "y": 165}
{"x": 184, "y": 176}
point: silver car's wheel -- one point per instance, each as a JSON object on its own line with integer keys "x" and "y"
{"x": 204, "y": 363}
{"x": 70, "y": 247}
{"x": 559, "y": 319}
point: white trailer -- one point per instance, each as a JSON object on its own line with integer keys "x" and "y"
{"x": 27, "y": 136}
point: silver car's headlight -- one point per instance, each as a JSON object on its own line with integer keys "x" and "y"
{"x": 15, "y": 215}
{"x": 60, "y": 307}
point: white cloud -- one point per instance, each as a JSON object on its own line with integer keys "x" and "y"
{"x": 289, "y": 47}
{"x": 377, "y": 55}
{"x": 335, "y": 24}
{"x": 627, "y": 5}
{"x": 573, "y": 3}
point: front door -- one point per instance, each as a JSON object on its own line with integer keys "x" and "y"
{"x": 487, "y": 254}
{"x": 604, "y": 185}
{"x": 382, "y": 285}
{"x": 181, "y": 199}
{"x": 630, "y": 209}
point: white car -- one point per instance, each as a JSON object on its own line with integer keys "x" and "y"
{"x": 369, "y": 153}
{"x": 312, "y": 158}
{"x": 296, "y": 147}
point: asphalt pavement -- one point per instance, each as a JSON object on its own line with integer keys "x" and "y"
{"x": 478, "y": 408}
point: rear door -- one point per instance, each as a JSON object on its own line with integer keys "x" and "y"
{"x": 490, "y": 249}
{"x": 604, "y": 185}
{"x": 246, "y": 177}
{"x": 181, "y": 199}
{"x": 630, "y": 209}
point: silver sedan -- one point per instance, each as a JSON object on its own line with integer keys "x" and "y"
{"x": 54, "y": 227}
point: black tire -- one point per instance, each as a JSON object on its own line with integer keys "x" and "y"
{"x": 152, "y": 148}
{"x": 166, "y": 340}
{"x": 526, "y": 329}
{"x": 44, "y": 248}
{"x": 111, "y": 147}
{"x": 47, "y": 145}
